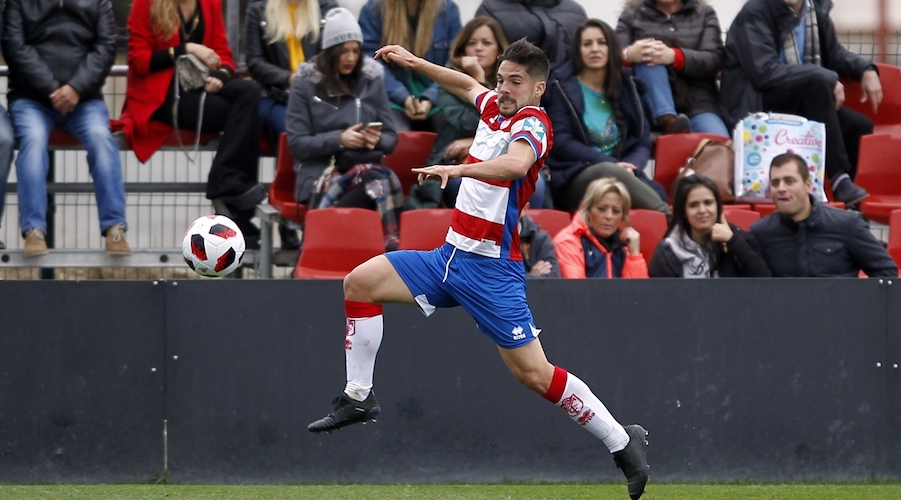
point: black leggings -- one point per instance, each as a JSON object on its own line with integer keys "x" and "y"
{"x": 234, "y": 111}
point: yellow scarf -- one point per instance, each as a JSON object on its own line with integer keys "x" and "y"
{"x": 295, "y": 47}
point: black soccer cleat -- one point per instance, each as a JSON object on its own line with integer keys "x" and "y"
{"x": 634, "y": 461}
{"x": 346, "y": 412}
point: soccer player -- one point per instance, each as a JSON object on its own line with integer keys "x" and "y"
{"x": 480, "y": 265}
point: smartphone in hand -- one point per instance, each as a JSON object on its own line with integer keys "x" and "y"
{"x": 373, "y": 125}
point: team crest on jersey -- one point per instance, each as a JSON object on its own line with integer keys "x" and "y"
{"x": 535, "y": 127}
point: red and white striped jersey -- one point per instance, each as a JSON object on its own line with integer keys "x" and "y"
{"x": 486, "y": 212}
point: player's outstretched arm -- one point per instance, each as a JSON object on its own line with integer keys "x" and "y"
{"x": 455, "y": 82}
{"x": 513, "y": 164}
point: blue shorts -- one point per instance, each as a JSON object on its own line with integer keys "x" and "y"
{"x": 492, "y": 291}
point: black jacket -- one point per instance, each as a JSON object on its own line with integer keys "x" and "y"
{"x": 572, "y": 152}
{"x": 742, "y": 258}
{"x": 537, "y": 245}
{"x": 50, "y": 43}
{"x": 751, "y": 61}
{"x": 549, "y": 24}
{"x": 829, "y": 243}
{"x": 695, "y": 29}
{"x": 268, "y": 63}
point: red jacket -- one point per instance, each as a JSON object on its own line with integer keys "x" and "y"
{"x": 146, "y": 91}
{"x": 568, "y": 243}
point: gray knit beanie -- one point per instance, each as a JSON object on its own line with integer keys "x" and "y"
{"x": 340, "y": 26}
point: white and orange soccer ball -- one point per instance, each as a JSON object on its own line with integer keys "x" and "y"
{"x": 213, "y": 246}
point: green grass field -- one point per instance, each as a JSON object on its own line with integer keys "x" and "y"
{"x": 458, "y": 492}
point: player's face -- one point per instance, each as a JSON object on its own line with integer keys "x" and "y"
{"x": 482, "y": 46}
{"x": 516, "y": 89}
{"x": 594, "y": 49}
{"x": 350, "y": 55}
{"x": 606, "y": 215}
{"x": 700, "y": 209}
{"x": 788, "y": 191}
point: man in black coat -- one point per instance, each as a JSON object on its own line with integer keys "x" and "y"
{"x": 806, "y": 239}
{"x": 784, "y": 56}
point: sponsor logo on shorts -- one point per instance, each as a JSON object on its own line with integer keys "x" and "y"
{"x": 572, "y": 405}
{"x": 518, "y": 334}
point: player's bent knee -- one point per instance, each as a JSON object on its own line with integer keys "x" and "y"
{"x": 533, "y": 380}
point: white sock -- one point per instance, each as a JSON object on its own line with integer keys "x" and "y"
{"x": 577, "y": 400}
{"x": 364, "y": 336}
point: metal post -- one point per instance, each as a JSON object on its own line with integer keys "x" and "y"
{"x": 233, "y": 26}
{"x": 47, "y": 273}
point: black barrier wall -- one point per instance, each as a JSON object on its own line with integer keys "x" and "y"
{"x": 735, "y": 379}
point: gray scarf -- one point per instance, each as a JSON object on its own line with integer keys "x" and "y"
{"x": 695, "y": 258}
{"x": 811, "y": 40}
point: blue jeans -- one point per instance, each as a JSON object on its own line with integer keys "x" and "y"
{"x": 659, "y": 100}
{"x": 89, "y": 123}
{"x": 273, "y": 114}
{"x": 7, "y": 144}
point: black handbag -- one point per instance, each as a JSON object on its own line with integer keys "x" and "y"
{"x": 346, "y": 159}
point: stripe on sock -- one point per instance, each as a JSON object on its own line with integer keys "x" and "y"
{"x": 558, "y": 384}
{"x": 358, "y": 310}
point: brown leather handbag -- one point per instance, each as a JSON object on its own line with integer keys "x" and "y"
{"x": 713, "y": 159}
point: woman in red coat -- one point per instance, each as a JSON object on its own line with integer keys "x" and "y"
{"x": 161, "y": 31}
{"x": 594, "y": 246}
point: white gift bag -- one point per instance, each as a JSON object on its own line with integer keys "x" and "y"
{"x": 760, "y": 137}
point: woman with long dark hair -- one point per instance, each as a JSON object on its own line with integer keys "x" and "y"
{"x": 339, "y": 127}
{"x": 599, "y": 126}
{"x": 700, "y": 243}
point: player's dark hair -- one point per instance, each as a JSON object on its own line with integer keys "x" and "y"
{"x": 529, "y": 56}
{"x": 784, "y": 158}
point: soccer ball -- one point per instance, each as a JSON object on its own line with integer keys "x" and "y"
{"x": 213, "y": 246}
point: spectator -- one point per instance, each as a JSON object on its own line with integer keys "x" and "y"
{"x": 676, "y": 47}
{"x": 538, "y": 252}
{"x": 332, "y": 100}
{"x": 594, "y": 246}
{"x": 160, "y": 32}
{"x": 807, "y": 239}
{"x": 7, "y": 142}
{"x": 281, "y": 34}
{"x": 700, "y": 242}
{"x": 548, "y": 24}
{"x": 783, "y": 56}
{"x": 426, "y": 28}
{"x": 59, "y": 56}
{"x": 473, "y": 52}
{"x": 599, "y": 127}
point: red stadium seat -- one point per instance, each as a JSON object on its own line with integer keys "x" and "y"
{"x": 894, "y": 238}
{"x": 552, "y": 221}
{"x": 671, "y": 151}
{"x": 888, "y": 117}
{"x": 336, "y": 240}
{"x": 741, "y": 218}
{"x": 281, "y": 191}
{"x": 651, "y": 225}
{"x": 878, "y": 173}
{"x": 412, "y": 151}
{"x": 424, "y": 229}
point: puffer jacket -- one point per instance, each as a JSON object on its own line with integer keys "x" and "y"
{"x": 753, "y": 44}
{"x": 315, "y": 120}
{"x": 695, "y": 30}
{"x": 829, "y": 243}
{"x": 447, "y": 25}
{"x": 50, "y": 43}
{"x": 269, "y": 63}
{"x": 549, "y": 24}
{"x": 578, "y": 250}
{"x": 572, "y": 151}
